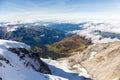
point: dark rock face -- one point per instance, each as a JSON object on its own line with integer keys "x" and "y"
{"x": 3, "y": 59}
{"x": 1, "y": 33}
{"x": 31, "y": 59}
{"x": 0, "y": 78}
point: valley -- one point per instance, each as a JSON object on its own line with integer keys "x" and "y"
{"x": 54, "y": 54}
{"x": 59, "y": 39}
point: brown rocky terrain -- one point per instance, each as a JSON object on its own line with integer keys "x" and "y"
{"x": 98, "y": 61}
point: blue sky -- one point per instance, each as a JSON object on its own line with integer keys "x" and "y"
{"x": 22, "y": 9}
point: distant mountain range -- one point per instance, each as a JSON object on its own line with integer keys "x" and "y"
{"x": 40, "y": 34}
{"x": 31, "y": 35}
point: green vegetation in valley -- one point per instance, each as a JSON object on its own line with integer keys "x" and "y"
{"x": 64, "y": 47}
{"x": 69, "y": 45}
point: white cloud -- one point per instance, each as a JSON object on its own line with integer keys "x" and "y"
{"x": 100, "y": 32}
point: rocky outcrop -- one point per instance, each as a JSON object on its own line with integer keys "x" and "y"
{"x": 100, "y": 61}
{"x": 31, "y": 59}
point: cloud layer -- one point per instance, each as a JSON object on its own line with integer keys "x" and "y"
{"x": 100, "y": 32}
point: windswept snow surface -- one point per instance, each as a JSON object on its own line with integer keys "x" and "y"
{"x": 15, "y": 69}
{"x": 100, "y": 32}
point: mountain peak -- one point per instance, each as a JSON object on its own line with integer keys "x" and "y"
{"x": 16, "y": 57}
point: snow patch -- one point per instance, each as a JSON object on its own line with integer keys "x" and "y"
{"x": 12, "y": 28}
{"x": 60, "y": 68}
{"x": 92, "y": 54}
{"x": 5, "y": 44}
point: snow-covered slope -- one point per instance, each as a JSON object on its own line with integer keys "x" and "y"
{"x": 100, "y": 32}
{"x": 5, "y": 44}
{"x": 16, "y": 63}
